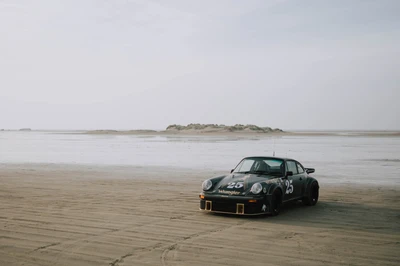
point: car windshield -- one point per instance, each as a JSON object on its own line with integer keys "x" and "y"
{"x": 264, "y": 166}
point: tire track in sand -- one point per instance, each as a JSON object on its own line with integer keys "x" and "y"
{"x": 173, "y": 246}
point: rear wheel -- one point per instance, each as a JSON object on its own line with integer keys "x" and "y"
{"x": 312, "y": 195}
{"x": 276, "y": 202}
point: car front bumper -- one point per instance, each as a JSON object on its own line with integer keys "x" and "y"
{"x": 234, "y": 204}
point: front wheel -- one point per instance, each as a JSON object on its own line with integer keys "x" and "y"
{"x": 312, "y": 195}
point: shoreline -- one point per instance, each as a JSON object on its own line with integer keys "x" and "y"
{"x": 246, "y": 134}
{"x": 199, "y": 133}
{"x": 170, "y": 173}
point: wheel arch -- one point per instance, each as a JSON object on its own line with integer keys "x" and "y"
{"x": 273, "y": 187}
{"x": 310, "y": 180}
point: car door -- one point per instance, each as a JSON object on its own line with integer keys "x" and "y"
{"x": 302, "y": 178}
{"x": 296, "y": 180}
{"x": 289, "y": 181}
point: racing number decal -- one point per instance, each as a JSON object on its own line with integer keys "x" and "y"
{"x": 235, "y": 185}
{"x": 289, "y": 186}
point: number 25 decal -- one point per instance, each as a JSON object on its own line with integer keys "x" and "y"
{"x": 289, "y": 186}
{"x": 235, "y": 185}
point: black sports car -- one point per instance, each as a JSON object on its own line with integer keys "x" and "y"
{"x": 259, "y": 185}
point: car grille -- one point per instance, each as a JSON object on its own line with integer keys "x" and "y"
{"x": 231, "y": 206}
{"x": 224, "y": 206}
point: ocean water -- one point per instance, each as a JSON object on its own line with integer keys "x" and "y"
{"x": 337, "y": 159}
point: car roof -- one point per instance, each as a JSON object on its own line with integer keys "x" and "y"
{"x": 269, "y": 157}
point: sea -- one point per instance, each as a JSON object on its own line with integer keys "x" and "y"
{"x": 337, "y": 159}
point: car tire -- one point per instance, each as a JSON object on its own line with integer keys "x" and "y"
{"x": 276, "y": 202}
{"x": 312, "y": 195}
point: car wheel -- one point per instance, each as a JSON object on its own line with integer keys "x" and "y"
{"x": 312, "y": 198}
{"x": 276, "y": 202}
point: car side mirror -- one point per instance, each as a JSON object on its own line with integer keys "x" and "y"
{"x": 232, "y": 171}
{"x": 289, "y": 173}
{"x": 310, "y": 170}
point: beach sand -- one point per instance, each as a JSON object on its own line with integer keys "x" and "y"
{"x": 92, "y": 215}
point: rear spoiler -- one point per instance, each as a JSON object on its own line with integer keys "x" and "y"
{"x": 310, "y": 170}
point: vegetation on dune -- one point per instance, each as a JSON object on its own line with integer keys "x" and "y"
{"x": 216, "y": 127}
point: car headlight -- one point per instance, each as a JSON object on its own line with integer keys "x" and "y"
{"x": 207, "y": 185}
{"x": 256, "y": 188}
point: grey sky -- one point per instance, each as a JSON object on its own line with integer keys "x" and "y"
{"x": 129, "y": 64}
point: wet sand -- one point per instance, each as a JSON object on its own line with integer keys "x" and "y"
{"x": 82, "y": 215}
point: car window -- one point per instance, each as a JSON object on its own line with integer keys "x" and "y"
{"x": 270, "y": 166}
{"x": 291, "y": 166}
{"x": 244, "y": 166}
{"x": 258, "y": 166}
{"x": 300, "y": 168}
{"x": 273, "y": 162}
{"x": 275, "y": 166}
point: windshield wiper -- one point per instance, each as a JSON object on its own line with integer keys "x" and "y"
{"x": 276, "y": 174}
{"x": 260, "y": 172}
{"x": 242, "y": 172}
{"x": 254, "y": 172}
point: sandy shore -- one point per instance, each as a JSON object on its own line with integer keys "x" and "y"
{"x": 81, "y": 215}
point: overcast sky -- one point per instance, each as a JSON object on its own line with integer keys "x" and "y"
{"x": 130, "y": 64}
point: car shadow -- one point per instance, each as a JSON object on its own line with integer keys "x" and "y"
{"x": 285, "y": 208}
{"x": 331, "y": 214}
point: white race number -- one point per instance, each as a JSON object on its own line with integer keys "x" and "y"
{"x": 289, "y": 186}
{"x": 235, "y": 185}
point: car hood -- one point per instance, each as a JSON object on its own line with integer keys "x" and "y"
{"x": 240, "y": 184}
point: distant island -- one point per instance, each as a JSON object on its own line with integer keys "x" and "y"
{"x": 208, "y": 128}
{"x": 238, "y": 130}
{"x": 196, "y": 129}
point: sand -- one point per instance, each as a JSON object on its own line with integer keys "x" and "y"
{"x": 91, "y": 215}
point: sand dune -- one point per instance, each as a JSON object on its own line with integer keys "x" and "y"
{"x": 81, "y": 215}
